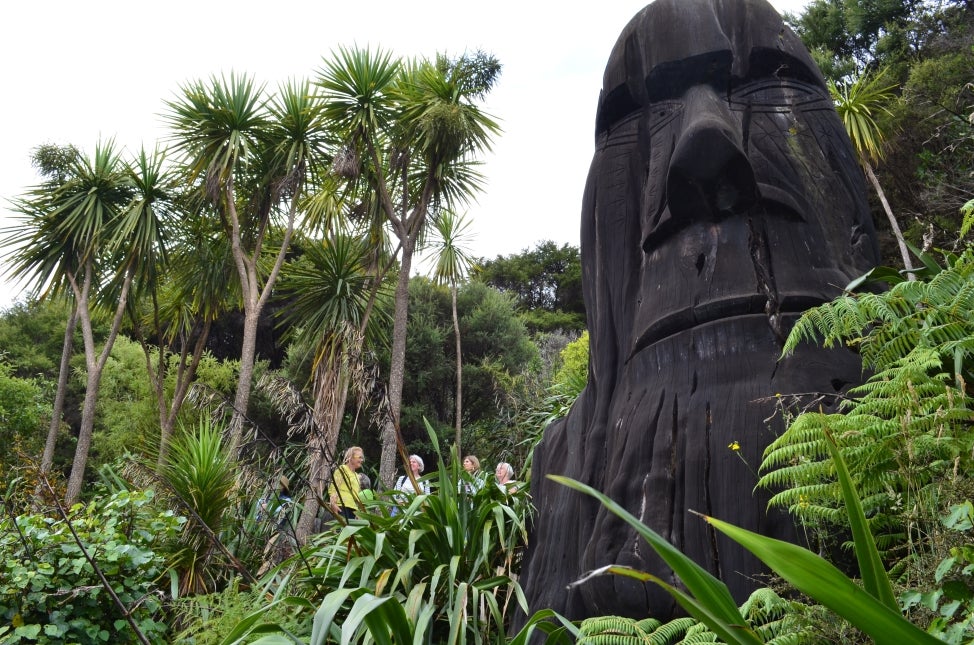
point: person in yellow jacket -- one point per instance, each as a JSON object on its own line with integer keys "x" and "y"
{"x": 344, "y": 490}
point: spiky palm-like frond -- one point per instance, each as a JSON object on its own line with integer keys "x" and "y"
{"x": 70, "y": 221}
{"x": 217, "y": 126}
{"x": 298, "y": 136}
{"x": 143, "y": 228}
{"x": 441, "y": 114}
{"x": 450, "y": 247}
{"x": 200, "y": 474}
{"x": 857, "y": 103}
{"x": 331, "y": 285}
{"x": 356, "y": 86}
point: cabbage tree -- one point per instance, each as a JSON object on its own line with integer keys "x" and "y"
{"x": 411, "y": 133}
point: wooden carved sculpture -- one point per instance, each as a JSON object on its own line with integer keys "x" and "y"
{"x": 723, "y": 199}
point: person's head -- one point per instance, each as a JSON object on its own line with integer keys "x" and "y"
{"x": 471, "y": 464}
{"x": 354, "y": 457}
{"x": 364, "y": 482}
{"x": 416, "y": 464}
{"x": 284, "y": 485}
{"x": 504, "y": 472}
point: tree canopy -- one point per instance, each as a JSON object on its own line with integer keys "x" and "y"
{"x": 546, "y": 283}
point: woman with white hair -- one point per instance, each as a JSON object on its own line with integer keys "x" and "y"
{"x": 504, "y": 475}
{"x": 404, "y": 487}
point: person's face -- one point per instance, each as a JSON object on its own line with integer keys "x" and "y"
{"x": 414, "y": 465}
{"x": 468, "y": 465}
{"x": 728, "y": 188}
{"x": 500, "y": 473}
{"x": 355, "y": 462}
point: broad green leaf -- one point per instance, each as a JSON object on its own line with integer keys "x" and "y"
{"x": 326, "y": 614}
{"x": 704, "y": 587}
{"x": 380, "y": 617}
{"x": 731, "y": 633}
{"x": 566, "y": 633}
{"x": 889, "y": 275}
{"x": 820, "y": 580}
{"x": 244, "y": 627}
{"x": 275, "y": 639}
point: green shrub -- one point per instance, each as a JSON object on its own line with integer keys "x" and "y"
{"x": 209, "y": 618}
{"x": 23, "y": 414}
{"x": 49, "y": 591}
{"x": 948, "y": 601}
{"x": 443, "y": 570}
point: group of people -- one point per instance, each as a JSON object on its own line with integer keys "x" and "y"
{"x": 350, "y": 487}
{"x": 503, "y": 475}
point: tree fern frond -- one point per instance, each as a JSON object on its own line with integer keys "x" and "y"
{"x": 774, "y": 618}
{"x": 612, "y": 630}
{"x": 671, "y": 632}
{"x": 699, "y": 633}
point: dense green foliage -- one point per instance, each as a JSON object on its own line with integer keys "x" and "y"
{"x": 847, "y": 36}
{"x": 24, "y": 408}
{"x": 31, "y": 335}
{"x": 494, "y": 345}
{"x": 200, "y": 478}
{"x": 546, "y": 283}
{"x": 440, "y": 571}
{"x": 906, "y": 431}
{"x": 445, "y": 570}
{"x": 50, "y": 591}
{"x": 924, "y": 50}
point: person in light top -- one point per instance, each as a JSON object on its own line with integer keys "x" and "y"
{"x": 471, "y": 479}
{"x": 504, "y": 475}
{"x": 404, "y": 488}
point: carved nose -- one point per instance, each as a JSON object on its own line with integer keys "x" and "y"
{"x": 709, "y": 177}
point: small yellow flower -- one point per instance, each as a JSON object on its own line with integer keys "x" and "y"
{"x": 734, "y": 446}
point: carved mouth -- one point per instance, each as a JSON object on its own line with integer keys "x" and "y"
{"x": 772, "y": 201}
{"x": 768, "y": 301}
{"x": 702, "y": 314}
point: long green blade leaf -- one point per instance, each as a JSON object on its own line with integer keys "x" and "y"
{"x": 871, "y": 568}
{"x": 820, "y": 580}
{"x": 730, "y": 633}
{"x": 707, "y": 589}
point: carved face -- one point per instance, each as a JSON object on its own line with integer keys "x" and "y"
{"x": 723, "y": 198}
{"x": 722, "y": 184}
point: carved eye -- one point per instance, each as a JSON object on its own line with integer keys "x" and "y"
{"x": 776, "y": 94}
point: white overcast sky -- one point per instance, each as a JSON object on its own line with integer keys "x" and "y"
{"x": 76, "y": 72}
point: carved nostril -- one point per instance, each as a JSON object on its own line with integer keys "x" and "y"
{"x": 736, "y": 190}
{"x": 709, "y": 174}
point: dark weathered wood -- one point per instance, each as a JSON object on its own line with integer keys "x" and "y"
{"x": 723, "y": 199}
